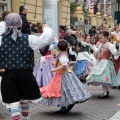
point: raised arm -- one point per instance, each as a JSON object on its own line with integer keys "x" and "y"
{"x": 96, "y": 49}
{"x": 36, "y": 42}
{"x": 113, "y": 50}
{"x": 54, "y": 45}
{"x": 71, "y": 52}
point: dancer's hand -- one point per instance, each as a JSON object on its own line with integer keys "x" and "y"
{"x": 54, "y": 63}
{"x": 44, "y": 25}
{"x": 52, "y": 70}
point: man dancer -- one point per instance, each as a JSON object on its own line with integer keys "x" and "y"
{"x": 18, "y": 84}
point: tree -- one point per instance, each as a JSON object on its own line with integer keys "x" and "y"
{"x": 73, "y": 6}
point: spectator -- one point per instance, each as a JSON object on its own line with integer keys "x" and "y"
{"x": 92, "y": 30}
{"x": 2, "y": 23}
{"x": 72, "y": 41}
{"x": 34, "y": 28}
{"x": 25, "y": 25}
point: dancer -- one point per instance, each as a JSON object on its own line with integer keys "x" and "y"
{"x": 103, "y": 72}
{"x": 86, "y": 43}
{"x": 84, "y": 63}
{"x": 65, "y": 89}
{"x": 18, "y": 85}
{"x": 44, "y": 65}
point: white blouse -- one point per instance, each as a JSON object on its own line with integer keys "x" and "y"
{"x": 111, "y": 47}
{"x": 64, "y": 60}
{"x": 36, "y": 42}
{"x": 84, "y": 44}
{"x": 2, "y": 27}
{"x": 81, "y": 55}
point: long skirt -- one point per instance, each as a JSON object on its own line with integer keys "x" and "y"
{"x": 103, "y": 73}
{"x": 43, "y": 75}
{"x": 73, "y": 91}
{"x": 82, "y": 67}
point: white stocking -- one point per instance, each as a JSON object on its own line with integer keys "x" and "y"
{"x": 105, "y": 90}
{"x": 118, "y": 76}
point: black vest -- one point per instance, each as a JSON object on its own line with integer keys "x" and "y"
{"x": 16, "y": 55}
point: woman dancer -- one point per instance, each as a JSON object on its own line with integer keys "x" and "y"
{"x": 42, "y": 69}
{"x": 65, "y": 89}
{"x": 103, "y": 72}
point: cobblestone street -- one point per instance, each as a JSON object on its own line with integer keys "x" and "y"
{"x": 93, "y": 109}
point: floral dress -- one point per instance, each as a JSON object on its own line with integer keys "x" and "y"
{"x": 65, "y": 88}
{"x": 103, "y": 72}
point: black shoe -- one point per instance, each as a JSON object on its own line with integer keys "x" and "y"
{"x": 62, "y": 110}
{"x": 119, "y": 87}
{"x": 69, "y": 108}
{"x": 104, "y": 96}
{"x": 114, "y": 87}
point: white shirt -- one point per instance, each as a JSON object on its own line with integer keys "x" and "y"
{"x": 64, "y": 60}
{"x": 111, "y": 47}
{"x": 2, "y": 27}
{"x": 36, "y": 42}
{"x": 84, "y": 44}
{"x": 81, "y": 55}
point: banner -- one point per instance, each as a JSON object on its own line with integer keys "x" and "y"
{"x": 91, "y": 5}
{"x": 105, "y": 6}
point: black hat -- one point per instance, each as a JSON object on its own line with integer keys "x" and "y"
{"x": 21, "y": 8}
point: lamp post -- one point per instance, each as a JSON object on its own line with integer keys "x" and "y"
{"x": 51, "y": 15}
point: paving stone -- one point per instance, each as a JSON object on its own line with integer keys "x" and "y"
{"x": 93, "y": 109}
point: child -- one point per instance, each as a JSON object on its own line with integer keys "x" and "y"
{"x": 42, "y": 69}
{"x": 86, "y": 44}
{"x": 103, "y": 72}
{"x": 84, "y": 63}
{"x": 65, "y": 89}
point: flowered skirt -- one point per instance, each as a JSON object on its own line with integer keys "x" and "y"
{"x": 103, "y": 73}
{"x": 73, "y": 91}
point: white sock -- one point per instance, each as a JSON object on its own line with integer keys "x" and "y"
{"x": 105, "y": 90}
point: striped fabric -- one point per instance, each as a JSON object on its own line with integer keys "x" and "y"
{"x": 24, "y": 109}
{"x": 15, "y": 113}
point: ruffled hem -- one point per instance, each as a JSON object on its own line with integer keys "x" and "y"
{"x": 50, "y": 94}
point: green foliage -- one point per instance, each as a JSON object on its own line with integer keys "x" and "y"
{"x": 84, "y": 7}
{"x": 73, "y": 6}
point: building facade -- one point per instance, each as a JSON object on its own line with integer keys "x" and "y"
{"x": 35, "y": 9}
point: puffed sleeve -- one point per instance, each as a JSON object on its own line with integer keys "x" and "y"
{"x": 72, "y": 52}
{"x": 54, "y": 45}
{"x": 96, "y": 49}
{"x": 83, "y": 44}
{"x": 64, "y": 60}
{"x": 113, "y": 50}
{"x": 36, "y": 42}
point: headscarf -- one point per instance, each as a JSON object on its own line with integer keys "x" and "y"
{"x": 13, "y": 22}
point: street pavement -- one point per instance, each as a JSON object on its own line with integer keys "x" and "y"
{"x": 93, "y": 109}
